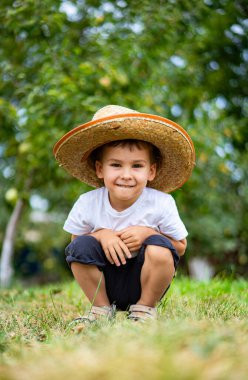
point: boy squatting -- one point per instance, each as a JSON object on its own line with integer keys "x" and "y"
{"x": 127, "y": 234}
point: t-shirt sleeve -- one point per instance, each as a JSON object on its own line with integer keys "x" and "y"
{"x": 170, "y": 222}
{"x": 76, "y": 222}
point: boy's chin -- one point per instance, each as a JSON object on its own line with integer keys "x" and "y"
{"x": 125, "y": 197}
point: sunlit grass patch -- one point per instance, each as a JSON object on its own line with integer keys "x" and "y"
{"x": 201, "y": 334}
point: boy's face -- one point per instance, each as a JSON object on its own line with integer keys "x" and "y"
{"x": 125, "y": 171}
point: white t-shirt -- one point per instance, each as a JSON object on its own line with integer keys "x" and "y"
{"x": 155, "y": 209}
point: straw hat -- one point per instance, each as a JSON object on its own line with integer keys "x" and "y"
{"x": 113, "y": 123}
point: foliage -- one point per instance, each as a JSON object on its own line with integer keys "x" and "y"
{"x": 200, "y": 326}
{"x": 62, "y": 60}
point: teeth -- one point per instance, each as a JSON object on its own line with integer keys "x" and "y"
{"x": 124, "y": 186}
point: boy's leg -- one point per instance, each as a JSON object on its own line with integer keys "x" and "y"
{"x": 88, "y": 277}
{"x": 85, "y": 257}
{"x": 156, "y": 275}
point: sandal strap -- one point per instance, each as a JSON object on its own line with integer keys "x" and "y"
{"x": 95, "y": 313}
{"x": 106, "y": 311}
{"x": 143, "y": 309}
{"x": 142, "y": 312}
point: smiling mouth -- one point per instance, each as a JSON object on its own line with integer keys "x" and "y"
{"x": 125, "y": 186}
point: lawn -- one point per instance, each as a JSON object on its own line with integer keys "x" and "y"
{"x": 201, "y": 334}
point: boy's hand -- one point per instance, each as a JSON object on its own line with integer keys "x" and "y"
{"x": 134, "y": 236}
{"x": 114, "y": 248}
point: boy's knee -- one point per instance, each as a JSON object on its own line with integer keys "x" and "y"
{"x": 86, "y": 250}
{"x": 83, "y": 239}
{"x": 159, "y": 255}
{"x": 80, "y": 243}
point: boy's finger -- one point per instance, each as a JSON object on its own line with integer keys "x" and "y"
{"x": 126, "y": 235}
{"x": 132, "y": 244}
{"x": 120, "y": 254}
{"x": 125, "y": 231}
{"x": 109, "y": 258}
{"x": 125, "y": 250}
{"x": 127, "y": 240}
{"x": 114, "y": 256}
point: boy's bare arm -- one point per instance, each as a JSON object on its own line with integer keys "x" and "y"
{"x": 134, "y": 236}
{"x": 114, "y": 248}
{"x": 179, "y": 245}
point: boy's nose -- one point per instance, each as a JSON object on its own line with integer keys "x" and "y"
{"x": 126, "y": 173}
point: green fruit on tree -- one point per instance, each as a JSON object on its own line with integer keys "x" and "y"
{"x": 24, "y": 147}
{"x": 11, "y": 195}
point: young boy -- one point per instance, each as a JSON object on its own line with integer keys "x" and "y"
{"x": 126, "y": 230}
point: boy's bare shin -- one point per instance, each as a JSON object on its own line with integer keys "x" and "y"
{"x": 88, "y": 278}
{"x": 156, "y": 275}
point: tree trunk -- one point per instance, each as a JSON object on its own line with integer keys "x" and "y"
{"x": 6, "y": 268}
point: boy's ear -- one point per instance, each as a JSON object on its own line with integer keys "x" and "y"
{"x": 153, "y": 171}
{"x": 98, "y": 167}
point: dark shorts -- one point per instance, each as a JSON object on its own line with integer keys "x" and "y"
{"x": 122, "y": 283}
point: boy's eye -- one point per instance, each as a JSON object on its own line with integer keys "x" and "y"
{"x": 138, "y": 166}
{"x": 115, "y": 165}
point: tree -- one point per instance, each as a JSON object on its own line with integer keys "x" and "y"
{"x": 62, "y": 60}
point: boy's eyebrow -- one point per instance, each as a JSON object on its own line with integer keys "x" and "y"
{"x": 116, "y": 159}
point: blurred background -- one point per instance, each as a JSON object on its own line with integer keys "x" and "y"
{"x": 60, "y": 61}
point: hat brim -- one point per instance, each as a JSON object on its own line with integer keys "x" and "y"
{"x": 174, "y": 143}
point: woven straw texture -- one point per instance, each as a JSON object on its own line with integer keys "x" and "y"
{"x": 118, "y": 123}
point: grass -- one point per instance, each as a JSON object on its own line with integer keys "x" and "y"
{"x": 201, "y": 334}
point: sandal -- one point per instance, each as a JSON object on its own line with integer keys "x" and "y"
{"x": 96, "y": 313}
{"x": 142, "y": 313}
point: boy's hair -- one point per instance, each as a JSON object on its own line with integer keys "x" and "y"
{"x": 154, "y": 152}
